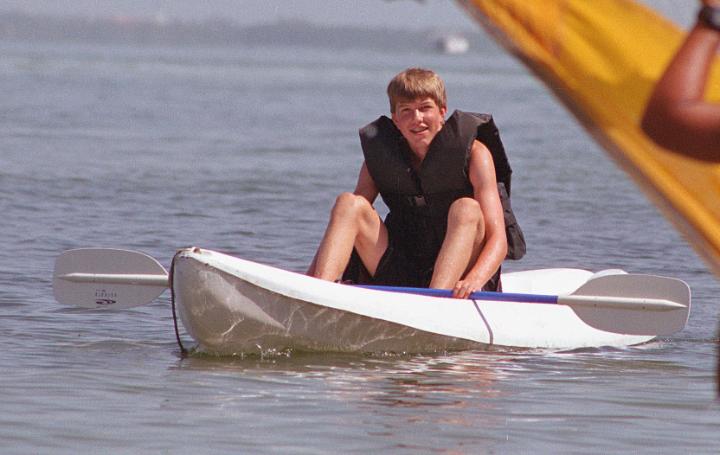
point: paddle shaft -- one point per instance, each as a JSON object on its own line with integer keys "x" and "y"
{"x": 117, "y": 278}
{"x": 624, "y": 303}
{"x": 571, "y": 300}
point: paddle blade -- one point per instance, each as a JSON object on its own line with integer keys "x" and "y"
{"x": 73, "y": 282}
{"x": 634, "y": 318}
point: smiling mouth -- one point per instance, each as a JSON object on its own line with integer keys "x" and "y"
{"x": 419, "y": 130}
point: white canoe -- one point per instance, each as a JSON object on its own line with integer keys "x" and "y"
{"x": 230, "y": 305}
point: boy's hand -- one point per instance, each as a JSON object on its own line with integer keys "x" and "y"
{"x": 464, "y": 288}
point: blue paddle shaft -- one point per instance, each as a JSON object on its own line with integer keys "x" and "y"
{"x": 478, "y": 295}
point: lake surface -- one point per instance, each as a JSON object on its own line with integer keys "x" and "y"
{"x": 243, "y": 150}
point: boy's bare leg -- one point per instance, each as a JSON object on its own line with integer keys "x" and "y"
{"x": 462, "y": 245}
{"x": 353, "y": 223}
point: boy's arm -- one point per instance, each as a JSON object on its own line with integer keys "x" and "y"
{"x": 481, "y": 170}
{"x": 366, "y": 185}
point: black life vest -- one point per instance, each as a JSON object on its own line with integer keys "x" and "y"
{"x": 419, "y": 201}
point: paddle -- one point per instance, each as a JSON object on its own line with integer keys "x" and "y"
{"x": 107, "y": 278}
{"x": 628, "y": 303}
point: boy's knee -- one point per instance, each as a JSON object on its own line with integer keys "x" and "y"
{"x": 466, "y": 210}
{"x": 349, "y": 204}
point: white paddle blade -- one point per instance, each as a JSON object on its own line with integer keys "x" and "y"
{"x": 107, "y": 278}
{"x": 634, "y": 316}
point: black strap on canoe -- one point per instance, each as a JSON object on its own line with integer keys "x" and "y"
{"x": 183, "y": 351}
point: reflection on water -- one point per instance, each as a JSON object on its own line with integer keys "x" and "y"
{"x": 489, "y": 397}
{"x": 401, "y": 387}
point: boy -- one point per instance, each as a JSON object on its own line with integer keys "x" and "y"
{"x": 445, "y": 228}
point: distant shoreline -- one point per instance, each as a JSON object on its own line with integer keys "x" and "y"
{"x": 16, "y": 26}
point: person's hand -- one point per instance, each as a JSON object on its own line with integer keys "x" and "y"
{"x": 464, "y": 288}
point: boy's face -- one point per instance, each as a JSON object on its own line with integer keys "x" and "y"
{"x": 419, "y": 120}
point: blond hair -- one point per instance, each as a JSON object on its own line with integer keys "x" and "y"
{"x": 414, "y": 83}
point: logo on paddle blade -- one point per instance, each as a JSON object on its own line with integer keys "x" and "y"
{"x": 103, "y": 297}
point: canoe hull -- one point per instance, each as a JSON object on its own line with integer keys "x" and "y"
{"x": 230, "y": 306}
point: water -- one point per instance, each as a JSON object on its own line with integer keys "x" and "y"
{"x": 243, "y": 150}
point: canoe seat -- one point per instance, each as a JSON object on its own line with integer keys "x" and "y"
{"x": 545, "y": 281}
{"x": 607, "y": 272}
{"x": 557, "y": 281}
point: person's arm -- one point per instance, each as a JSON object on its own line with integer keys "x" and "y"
{"x": 481, "y": 171}
{"x": 677, "y": 116}
{"x": 366, "y": 185}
